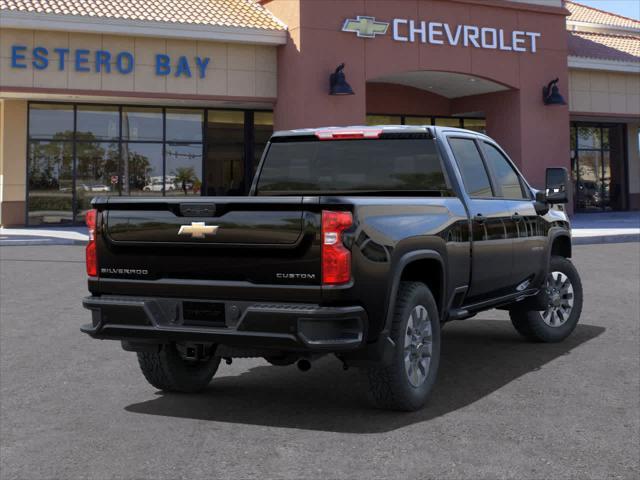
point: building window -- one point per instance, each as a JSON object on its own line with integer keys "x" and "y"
{"x": 78, "y": 152}
{"x": 598, "y": 166}
{"x": 475, "y": 124}
{"x": 384, "y": 120}
{"x": 225, "y": 153}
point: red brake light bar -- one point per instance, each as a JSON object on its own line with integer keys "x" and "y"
{"x": 350, "y": 134}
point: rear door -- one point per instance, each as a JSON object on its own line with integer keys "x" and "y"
{"x": 492, "y": 249}
{"x": 530, "y": 231}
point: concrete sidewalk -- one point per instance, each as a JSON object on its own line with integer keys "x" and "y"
{"x": 606, "y": 227}
{"x": 43, "y": 236}
{"x": 588, "y": 228}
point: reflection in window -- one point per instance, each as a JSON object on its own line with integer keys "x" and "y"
{"x": 50, "y": 173}
{"x": 417, "y": 121}
{"x": 589, "y": 137}
{"x": 97, "y": 172}
{"x": 184, "y": 125}
{"x": 448, "y": 122}
{"x": 384, "y": 120}
{"x": 142, "y": 124}
{"x": 474, "y": 174}
{"x": 143, "y": 168}
{"x": 263, "y": 129}
{"x": 101, "y": 123}
{"x": 504, "y": 173}
{"x": 50, "y": 121}
{"x": 225, "y": 153}
{"x": 475, "y": 124}
{"x": 184, "y": 169}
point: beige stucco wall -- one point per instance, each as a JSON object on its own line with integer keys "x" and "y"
{"x": 592, "y": 91}
{"x": 13, "y": 160}
{"x": 236, "y": 70}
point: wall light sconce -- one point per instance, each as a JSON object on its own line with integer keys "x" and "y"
{"x": 338, "y": 82}
{"x": 551, "y": 94}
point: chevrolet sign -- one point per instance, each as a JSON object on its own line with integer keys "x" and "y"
{"x": 437, "y": 33}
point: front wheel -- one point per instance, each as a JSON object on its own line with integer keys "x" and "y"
{"x": 168, "y": 369}
{"x": 406, "y": 382}
{"x": 564, "y": 306}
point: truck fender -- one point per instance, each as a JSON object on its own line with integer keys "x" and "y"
{"x": 539, "y": 301}
{"x": 553, "y": 236}
{"x": 397, "y": 275}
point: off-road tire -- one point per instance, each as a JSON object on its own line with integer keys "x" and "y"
{"x": 389, "y": 385}
{"x": 168, "y": 371}
{"x": 530, "y": 323}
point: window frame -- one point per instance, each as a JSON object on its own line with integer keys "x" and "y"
{"x": 474, "y": 139}
{"x": 524, "y": 186}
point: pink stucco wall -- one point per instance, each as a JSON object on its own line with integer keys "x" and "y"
{"x": 536, "y": 136}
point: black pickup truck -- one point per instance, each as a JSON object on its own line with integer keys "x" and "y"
{"x": 359, "y": 242}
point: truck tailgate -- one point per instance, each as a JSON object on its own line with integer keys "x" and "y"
{"x": 263, "y": 240}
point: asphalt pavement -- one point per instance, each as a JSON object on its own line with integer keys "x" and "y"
{"x": 72, "y": 407}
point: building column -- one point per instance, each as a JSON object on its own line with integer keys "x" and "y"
{"x": 304, "y": 66}
{"x": 13, "y": 162}
{"x": 633, "y": 155}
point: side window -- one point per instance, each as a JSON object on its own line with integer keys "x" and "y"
{"x": 506, "y": 176}
{"x": 474, "y": 173}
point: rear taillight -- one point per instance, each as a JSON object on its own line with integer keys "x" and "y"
{"x": 336, "y": 259}
{"x": 92, "y": 252}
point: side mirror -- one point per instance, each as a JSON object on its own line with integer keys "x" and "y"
{"x": 556, "y": 186}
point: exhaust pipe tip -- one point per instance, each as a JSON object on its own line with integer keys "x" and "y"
{"x": 304, "y": 365}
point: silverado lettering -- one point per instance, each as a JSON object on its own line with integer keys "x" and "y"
{"x": 390, "y": 232}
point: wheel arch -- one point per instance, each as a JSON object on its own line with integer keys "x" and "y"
{"x": 560, "y": 246}
{"x": 426, "y": 266}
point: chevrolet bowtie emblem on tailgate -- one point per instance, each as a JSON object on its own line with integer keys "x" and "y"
{"x": 365, "y": 27}
{"x": 198, "y": 230}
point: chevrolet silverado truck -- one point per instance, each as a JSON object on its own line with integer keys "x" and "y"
{"x": 360, "y": 242}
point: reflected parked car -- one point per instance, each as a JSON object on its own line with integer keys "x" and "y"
{"x": 589, "y": 194}
{"x": 95, "y": 188}
{"x": 156, "y": 186}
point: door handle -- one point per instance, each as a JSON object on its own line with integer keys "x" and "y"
{"x": 480, "y": 218}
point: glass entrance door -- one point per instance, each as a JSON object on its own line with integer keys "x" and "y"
{"x": 598, "y": 167}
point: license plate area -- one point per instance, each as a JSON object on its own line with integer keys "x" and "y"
{"x": 203, "y": 314}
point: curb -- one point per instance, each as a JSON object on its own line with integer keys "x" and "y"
{"x": 40, "y": 242}
{"x": 635, "y": 237}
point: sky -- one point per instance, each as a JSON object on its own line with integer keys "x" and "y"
{"x": 628, "y": 8}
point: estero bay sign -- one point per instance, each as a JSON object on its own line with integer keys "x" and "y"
{"x": 98, "y": 61}
{"x": 439, "y": 33}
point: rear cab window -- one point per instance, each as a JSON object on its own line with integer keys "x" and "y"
{"x": 295, "y": 166}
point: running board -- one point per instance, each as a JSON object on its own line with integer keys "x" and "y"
{"x": 468, "y": 311}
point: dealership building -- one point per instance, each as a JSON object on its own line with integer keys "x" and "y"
{"x": 179, "y": 97}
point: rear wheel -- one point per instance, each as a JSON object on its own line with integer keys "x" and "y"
{"x": 170, "y": 370}
{"x": 564, "y": 306}
{"x": 405, "y": 384}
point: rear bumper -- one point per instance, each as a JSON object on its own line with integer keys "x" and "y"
{"x": 290, "y": 326}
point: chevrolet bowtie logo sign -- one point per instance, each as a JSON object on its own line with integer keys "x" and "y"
{"x": 365, "y": 27}
{"x": 198, "y": 230}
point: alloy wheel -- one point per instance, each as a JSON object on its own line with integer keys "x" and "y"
{"x": 561, "y": 298}
{"x": 418, "y": 343}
